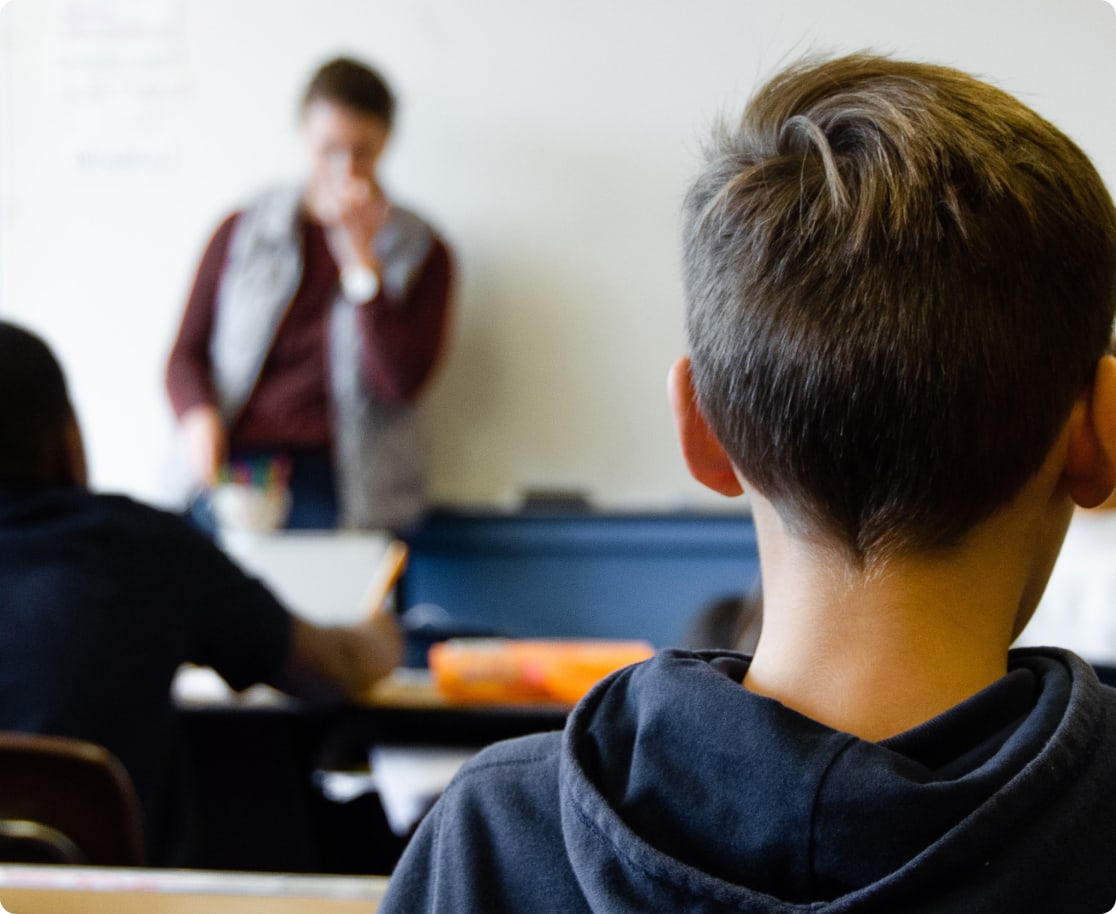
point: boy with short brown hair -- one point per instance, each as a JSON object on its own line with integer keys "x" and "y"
{"x": 900, "y": 285}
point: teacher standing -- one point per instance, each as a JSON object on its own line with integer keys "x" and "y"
{"x": 316, "y": 317}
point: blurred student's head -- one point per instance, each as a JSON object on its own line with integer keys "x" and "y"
{"x": 39, "y": 440}
{"x": 898, "y": 279}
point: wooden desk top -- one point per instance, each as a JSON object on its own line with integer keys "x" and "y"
{"x": 403, "y": 689}
{"x": 404, "y": 709}
{"x": 415, "y": 690}
{"x": 406, "y": 688}
{"x": 96, "y": 890}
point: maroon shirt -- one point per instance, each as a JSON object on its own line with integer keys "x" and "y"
{"x": 289, "y": 406}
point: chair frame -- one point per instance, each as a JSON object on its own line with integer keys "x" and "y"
{"x": 66, "y": 800}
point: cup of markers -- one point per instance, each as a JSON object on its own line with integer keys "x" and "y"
{"x": 253, "y": 496}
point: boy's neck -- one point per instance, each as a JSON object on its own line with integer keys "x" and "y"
{"x": 879, "y": 649}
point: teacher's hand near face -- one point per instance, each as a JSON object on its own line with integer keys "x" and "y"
{"x": 354, "y": 210}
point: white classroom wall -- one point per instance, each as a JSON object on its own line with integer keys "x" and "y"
{"x": 551, "y": 143}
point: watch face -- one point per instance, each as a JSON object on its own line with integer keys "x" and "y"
{"x": 359, "y": 284}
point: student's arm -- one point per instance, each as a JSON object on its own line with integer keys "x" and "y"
{"x": 230, "y": 621}
{"x": 348, "y": 660}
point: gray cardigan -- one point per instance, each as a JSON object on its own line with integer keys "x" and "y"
{"x": 378, "y": 448}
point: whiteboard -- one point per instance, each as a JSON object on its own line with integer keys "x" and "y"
{"x": 551, "y": 143}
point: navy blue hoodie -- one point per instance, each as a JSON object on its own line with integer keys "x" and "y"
{"x": 673, "y": 788}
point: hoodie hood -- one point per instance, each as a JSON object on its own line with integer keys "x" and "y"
{"x": 681, "y": 790}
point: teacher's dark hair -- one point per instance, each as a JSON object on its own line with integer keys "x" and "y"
{"x": 354, "y": 85}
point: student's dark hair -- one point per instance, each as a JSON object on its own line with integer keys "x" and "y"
{"x": 354, "y": 85}
{"x": 897, "y": 279}
{"x": 35, "y": 409}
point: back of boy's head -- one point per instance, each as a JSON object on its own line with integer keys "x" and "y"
{"x": 898, "y": 278}
{"x": 35, "y": 410}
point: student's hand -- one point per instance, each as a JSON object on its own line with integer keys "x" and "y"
{"x": 205, "y": 440}
{"x": 348, "y": 659}
{"x": 381, "y": 646}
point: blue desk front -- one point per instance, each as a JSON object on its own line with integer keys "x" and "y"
{"x": 579, "y": 574}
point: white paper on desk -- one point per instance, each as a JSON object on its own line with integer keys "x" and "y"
{"x": 321, "y": 576}
{"x": 411, "y": 778}
{"x": 203, "y": 685}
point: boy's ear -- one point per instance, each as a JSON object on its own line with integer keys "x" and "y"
{"x": 706, "y": 459}
{"x": 1090, "y": 471}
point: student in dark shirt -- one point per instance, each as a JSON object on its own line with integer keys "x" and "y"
{"x": 103, "y": 598}
{"x": 900, "y": 285}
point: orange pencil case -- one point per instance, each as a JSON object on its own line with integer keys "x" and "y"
{"x": 497, "y": 670}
